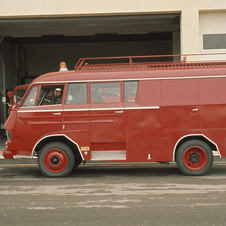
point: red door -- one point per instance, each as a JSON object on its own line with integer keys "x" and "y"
{"x": 107, "y": 127}
{"x": 75, "y": 117}
{"x": 37, "y": 116}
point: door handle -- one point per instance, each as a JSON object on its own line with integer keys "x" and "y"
{"x": 58, "y": 113}
{"x": 195, "y": 109}
{"x": 118, "y": 112}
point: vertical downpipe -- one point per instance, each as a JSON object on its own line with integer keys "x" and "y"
{"x": 3, "y": 81}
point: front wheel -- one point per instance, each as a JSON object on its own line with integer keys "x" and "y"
{"x": 56, "y": 160}
{"x": 194, "y": 158}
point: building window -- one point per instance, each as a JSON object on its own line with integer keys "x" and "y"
{"x": 214, "y": 41}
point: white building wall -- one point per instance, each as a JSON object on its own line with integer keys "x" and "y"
{"x": 14, "y": 8}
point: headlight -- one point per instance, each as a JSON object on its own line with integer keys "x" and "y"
{"x": 8, "y": 134}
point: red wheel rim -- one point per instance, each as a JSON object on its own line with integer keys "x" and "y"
{"x": 55, "y": 160}
{"x": 195, "y": 158}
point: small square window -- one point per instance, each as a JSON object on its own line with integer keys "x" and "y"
{"x": 130, "y": 91}
{"x": 214, "y": 41}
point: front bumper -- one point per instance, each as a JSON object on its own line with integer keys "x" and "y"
{"x": 7, "y": 154}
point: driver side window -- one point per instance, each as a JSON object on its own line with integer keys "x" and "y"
{"x": 50, "y": 95}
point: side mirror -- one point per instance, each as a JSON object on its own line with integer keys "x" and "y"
{"x": 3, "y": 100}
{"x": 10, "y": 94}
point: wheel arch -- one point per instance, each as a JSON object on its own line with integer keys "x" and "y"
{"x": 57, "y": 138}
{"x": 201, "y": 137}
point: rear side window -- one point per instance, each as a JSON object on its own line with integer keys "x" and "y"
{"x": 105, "y": 92}
{"x": 76, "y": 93}
{"x": 130, "y": 91}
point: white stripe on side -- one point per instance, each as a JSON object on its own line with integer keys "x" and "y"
{"x": 142, "y": 107}
{"x": 91, "y": 109}
{"x": 77, "y": 109}
{"x": 41, "y": 110}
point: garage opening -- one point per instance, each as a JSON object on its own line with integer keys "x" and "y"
{"x": 37, "y": 56}
{"x": 38, "y": 45}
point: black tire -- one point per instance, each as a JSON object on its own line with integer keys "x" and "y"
{"x": 56, "y": 160}
{"x": 78, "y": 161}
{"x": 194, "y": 158}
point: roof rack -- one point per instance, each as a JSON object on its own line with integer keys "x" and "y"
{"x": 145, "y": 63}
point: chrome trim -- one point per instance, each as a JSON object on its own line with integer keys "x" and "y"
{"x": 41, "y": 110}
{"x": 105, "y": 109}
{"x": 57, "y": 113}
{"x": 23, "y": 157}
{"x": 142, "y": 107}
{"x": 90, "y": 109}
{"x": 126, "y": 108}
{"x": 77, "y": 109}
{"x": 108, "y": 155}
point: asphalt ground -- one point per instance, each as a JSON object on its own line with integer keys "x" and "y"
{"x": 156, "y": 195}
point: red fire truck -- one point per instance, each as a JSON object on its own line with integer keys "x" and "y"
{"x": 126, "y": 109}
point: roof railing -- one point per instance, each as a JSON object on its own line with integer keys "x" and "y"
{"x": 149, "y": 62}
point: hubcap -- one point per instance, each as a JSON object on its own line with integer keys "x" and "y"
{"x": 55, "y": 160}
{"x": 195, "y": 158}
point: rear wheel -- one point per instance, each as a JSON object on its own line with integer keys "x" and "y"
{"x": 194, "y": 158}
{"x": 56, "y": 160}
